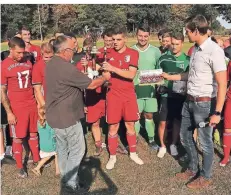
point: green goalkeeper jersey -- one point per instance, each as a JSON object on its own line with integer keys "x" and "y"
{"x": 148, "y": 59}
{"x": 172, "y": 64}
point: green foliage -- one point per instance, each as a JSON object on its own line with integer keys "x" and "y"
{"x": 67, "y": 17}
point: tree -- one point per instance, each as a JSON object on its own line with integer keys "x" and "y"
{"x": 13, "y": 16}
{"x": 209, "y": 11}
{"x": 225, "y": 11}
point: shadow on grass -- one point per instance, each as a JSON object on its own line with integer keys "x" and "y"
{"x": 89, "y": 169}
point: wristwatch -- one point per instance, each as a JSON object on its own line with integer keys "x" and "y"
{"x": 217, "y": 113}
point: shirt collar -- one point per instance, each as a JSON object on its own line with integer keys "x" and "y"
{"x": 204, "y": 44}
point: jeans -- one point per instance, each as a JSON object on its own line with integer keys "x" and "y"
{"x": 70, "y": 147}
{"x": 192, "y": 114}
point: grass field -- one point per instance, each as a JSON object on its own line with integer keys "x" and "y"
{"x": 155, "y": 177}
{"x": 130, "y": 42}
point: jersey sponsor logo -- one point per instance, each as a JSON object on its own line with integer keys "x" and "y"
{"x": 127, "y": 58}
{"x": 111, "y": 59}
{"x": 16, "y": 65}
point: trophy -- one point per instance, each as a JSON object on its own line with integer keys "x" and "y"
{"x": 93, "y": 33}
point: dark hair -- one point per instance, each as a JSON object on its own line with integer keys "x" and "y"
{"x": 70, "y": 34}
{"x": 210, "y": 28}
{"x": 162, "y": 31}
{"x": 108, "y": 32}
{"x": 119, "y": 30}
{"x": 199, "y": 23}
{"x": 214, "y": 39}
{"x": 87, "y": 41}
{"x": 167, "y": 34}
{"x": 178, "y": 36}
{"x": 23, "y": 28}
{"x": 144, "y": 28}
{"x": 16, "y": 41}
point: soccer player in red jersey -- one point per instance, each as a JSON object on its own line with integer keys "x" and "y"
{"x": 94, "y": 99}
{"x": 121, "y": 97}
{"x": 38, "y": 73}
{"x": 19, "y": 101}
{"x": 33, "y": 49}
{"x": 227, "y": 123}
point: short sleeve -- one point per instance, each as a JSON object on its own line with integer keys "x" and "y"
{"x": 159, "y": 63}
{"x": 73, "y": 77}
{"x": 134, "y": 59}
{"x": 158, "y": 54}
{"x": 218, "y": 60}
{"x": 39, "y": 56}
{"x": 36, "y": 74}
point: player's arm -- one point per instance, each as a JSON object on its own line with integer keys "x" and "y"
{"x": 38, "y": 95}
{"x": 6, "y": 103}
{"x": 128, "y": 74}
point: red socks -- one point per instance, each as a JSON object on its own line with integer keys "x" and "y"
{"x": 17, "y": 151}
{"x": 34, "y": 146}
{"x": 226, "y": 145}
{"x": 112, "y": 143}
{"x": 131, "y": 138}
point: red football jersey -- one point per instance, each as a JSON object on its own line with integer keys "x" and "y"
{"x": 101, "y": 56}
{"x": 38, "y": 73}
{"x": 36, "y": 51}
{"x": 17, "y": 77}
{"x": 229, "y": 79}
{"x": 123, "y": 61}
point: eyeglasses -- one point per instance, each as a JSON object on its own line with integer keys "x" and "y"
{"x": 74, "y": 50}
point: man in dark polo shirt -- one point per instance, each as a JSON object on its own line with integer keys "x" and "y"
{"x": 64, "y": 109}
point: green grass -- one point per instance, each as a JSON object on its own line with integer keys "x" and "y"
{"x": 130, "y": 42}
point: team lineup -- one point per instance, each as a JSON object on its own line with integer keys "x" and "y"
{"x": 47, "y": 90}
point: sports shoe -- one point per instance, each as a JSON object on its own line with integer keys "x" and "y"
{"x": 111, "y": 162}
{"x": 98, "y": 151}
{"x": 153, "y": 145}
{"x": 187, "y": 175}
{"x": 134, "y": 156}
{"x": 173, "y": 150}
{"x": 22, "y": 173}
{"x": 8, "y": 160}
{"x": 224, "y": 162}
{"x": 199, "y": 183}
{"x": 162, "y": 151}
{"x": 68, "y": 190}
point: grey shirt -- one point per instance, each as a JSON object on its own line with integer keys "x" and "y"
{"x": 64, "y": 93}
{"x": 206, "y": 60}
